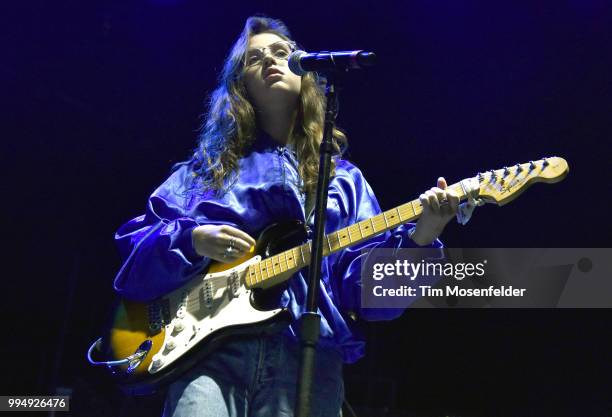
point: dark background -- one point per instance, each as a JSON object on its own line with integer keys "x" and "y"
{"x": 100, "y": 98}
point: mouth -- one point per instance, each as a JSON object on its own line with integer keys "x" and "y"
{"x": 271, "y": 72}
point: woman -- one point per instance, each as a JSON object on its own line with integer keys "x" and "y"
{"x": 256, "y": 164}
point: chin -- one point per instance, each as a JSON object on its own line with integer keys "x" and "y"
{"x": 281, "y": 89}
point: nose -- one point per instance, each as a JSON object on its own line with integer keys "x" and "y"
{"x": 268, "y": 58}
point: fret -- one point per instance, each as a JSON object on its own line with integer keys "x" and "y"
{"x": 385, "y": 218}
{"x": 279, "y": 257}
{"x": 343, "y": 236}
{"x": 257, "y": 277}
{"x": 275, "y": 260}
{"x": 406, "y": 209}
{"x": 302, "y": 253}
{"x": 271, "y": 265}
{"x": 377, "y": 227}
{"x": 251, "y": 274}
{"x": 366, "y": 226}
{"x": 395, "y": 218}
{"x": 413, "y": 209}
{"x": 295, "y": 257}
{"x": 356, "y": 230}
{"x": 329, "y": 244}
{"x": 263, "y": 269}
{"x": 372, "y": 223}
{"x": 348, "y": 231}
{"x": 360, "y": 231}
{"x": 336, "y": 244}
{"x": 291, "y": 257}
{"x": 287, "y": 261}
{"x": 275, "y": 263}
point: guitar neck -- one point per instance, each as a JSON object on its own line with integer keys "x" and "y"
{"x": 280, "y": 267}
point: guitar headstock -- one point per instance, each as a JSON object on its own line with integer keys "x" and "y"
{"x": 504, "y": 185}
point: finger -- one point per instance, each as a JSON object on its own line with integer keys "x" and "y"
{"x": 449, "y": 201}
{"x": 224, "y": 256}
{"x": 219, "y": 256}
{"x": 452, "y": 195}
{"x": 440, "y": 193}
{"x": 442, "y": 183}
{"x": 241, "y": 235}
{"x": 433, "y": 201}
{"x": 237, "y": 244}
{"x": 445, "y": 207}
{"x": 453, "y": 200}
{"x": 443, "y": 200}
{"x": 425, "y": 203}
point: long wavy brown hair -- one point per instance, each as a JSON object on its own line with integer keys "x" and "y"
{"x": 230, "y": 124}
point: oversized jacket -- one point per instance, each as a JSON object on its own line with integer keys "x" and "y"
{"x": 159, "y": 254}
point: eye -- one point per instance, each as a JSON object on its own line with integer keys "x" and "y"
{"x": 253, "y": 59}
{"x": 281, "y": 53}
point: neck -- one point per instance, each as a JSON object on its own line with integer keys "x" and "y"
{"x": 278, "y": 123}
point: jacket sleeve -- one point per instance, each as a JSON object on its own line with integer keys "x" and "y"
{"x": 358, "y": 202}
{"x": 156, "y": 248}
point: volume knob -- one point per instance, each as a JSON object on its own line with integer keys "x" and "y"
{"x": 179, "y": 326}
{"x": 170, "y": 345}
{"x": 157, "y": 363}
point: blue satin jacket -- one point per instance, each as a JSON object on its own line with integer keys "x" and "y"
{"x": 159, "y": 255}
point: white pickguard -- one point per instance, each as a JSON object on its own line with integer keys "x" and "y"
{"x": 207, "y": 304}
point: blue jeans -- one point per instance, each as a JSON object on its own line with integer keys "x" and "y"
{"x": 255, "y": 377}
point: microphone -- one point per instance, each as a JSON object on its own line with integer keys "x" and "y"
{"x": 300, "y": 62}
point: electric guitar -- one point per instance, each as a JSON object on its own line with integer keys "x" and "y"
{"x": 153, "y": 343}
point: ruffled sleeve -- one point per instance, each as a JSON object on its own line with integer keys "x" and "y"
{"x": 156, "y": 247}
{"x": 357, "y": 202}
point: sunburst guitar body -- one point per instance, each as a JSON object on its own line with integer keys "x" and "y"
{"x": 160, "y": 340}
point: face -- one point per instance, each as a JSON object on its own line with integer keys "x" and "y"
{"x": 267, "y": 77}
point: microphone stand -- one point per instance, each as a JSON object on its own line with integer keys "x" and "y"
{"x": 310, "y": 320}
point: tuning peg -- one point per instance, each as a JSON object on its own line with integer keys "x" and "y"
{"x": 506, "y": 171}
{"x": 480, "y": 176}
{"x": 532, "y": 165}
{"x": 493, "y": 175}
{"x": 545, "y": 163}
{"x": 519, "y": 168}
